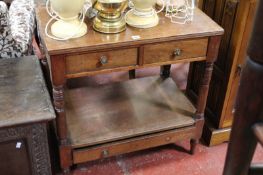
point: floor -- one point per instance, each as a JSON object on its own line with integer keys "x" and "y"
{"x": 166, "y": 160}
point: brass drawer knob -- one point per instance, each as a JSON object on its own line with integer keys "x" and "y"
{"x": 177, "y": 52}
{"x": 103, "y": 60}
{"x": 105, "y": 153}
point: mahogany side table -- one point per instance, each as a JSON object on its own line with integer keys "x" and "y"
{"x": 103, "y": 121}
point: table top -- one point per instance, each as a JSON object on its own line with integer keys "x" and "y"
{"x": 201, "y": 26}
{"x": 24, "y": 97}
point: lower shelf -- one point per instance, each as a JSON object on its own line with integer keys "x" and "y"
{"x": 103, "y": 114}
{"x": 133, "y": 144}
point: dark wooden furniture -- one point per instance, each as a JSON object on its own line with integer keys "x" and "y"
{"x": 103, "y": 121}
{"x": 247, "y": 127}
{"x": 25, "y": 109}
{"x": 8, "y": 2}
{"x": 236, "y": 17}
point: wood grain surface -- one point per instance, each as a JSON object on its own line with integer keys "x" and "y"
{"x": 102, "y": 114}
{"x": 164, "y": 52}
{"x": 165, "y": 31}
{"x": 132, "y": 144}
{"x": 132, "y": 115}
{"x": 92, "y": 61}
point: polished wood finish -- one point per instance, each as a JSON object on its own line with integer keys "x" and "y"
{"x": 94, "y": 41}
{"x": 249, "y": 106}
{"x": 97, "y": 122}
{"x": 25, "y": 109}
{"x": 165, "y": 71}
{"x": 164, "y": 52}
{"x": 100, "y": 103}
{"x": 244, "y": 26}
{"x": 212, "y": 52}
{"x": 215, "y": 136}
{"x": 236, "y": 17}
{"x": 123, "y": 110}
{"x": 102, "y": 60}
{"x": 132, "y": 144}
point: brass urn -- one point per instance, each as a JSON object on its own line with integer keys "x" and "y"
{"x": 110, "y": 17}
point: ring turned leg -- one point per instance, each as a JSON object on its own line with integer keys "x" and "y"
{"x": 193, "y": 144}
{"x": 58, "y": 69}
{"x": 132, "y": 74}
{"x": 201, "y": 104}
{"x": 64, "y": 148}
{"x": 165, "y": 71}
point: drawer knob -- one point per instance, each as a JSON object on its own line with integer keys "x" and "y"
{"x": 177, "y": 52}
{"x": 105, "y": 153}
{"x": 103, "y": 60}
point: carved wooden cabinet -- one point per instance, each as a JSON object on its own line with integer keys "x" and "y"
{"x": 236, "y": 17}
{"x": 25, "y": 109}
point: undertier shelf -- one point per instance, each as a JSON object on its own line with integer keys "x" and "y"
{"x": 102, "y": 114}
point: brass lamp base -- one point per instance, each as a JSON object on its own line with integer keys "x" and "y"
{"x": 109, "y": 25}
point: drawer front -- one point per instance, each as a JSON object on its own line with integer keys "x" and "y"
{"x": 101, "y": 60}
{"x": 175, "y": 50}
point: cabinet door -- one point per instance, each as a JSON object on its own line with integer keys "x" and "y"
{"x": 24, "y": 150}
{"x": 241, "y": 34}
{"x": 213, "y": 8}
{"x": 14, "y": 158}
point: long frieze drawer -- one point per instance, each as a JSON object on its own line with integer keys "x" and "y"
{"x": 175, "y": 50}
{"x": 101, "y": 60}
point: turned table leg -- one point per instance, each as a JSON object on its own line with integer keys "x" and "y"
{"x": 165, "y": 71}
{"x": 64, "y": 148}
{"x": 212, "y": 53}
{"x": 132, "y": 74}
{"x": 201, "y": 104}
{"x": 58, "y": 97}
{"x": 58, "y": 82}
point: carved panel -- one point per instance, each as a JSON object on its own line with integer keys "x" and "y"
{"x": 36, "y": 138}
{"x": 215, "y": 98}
{"x": 209, "y": 7}
{"x": 224, "y": 61}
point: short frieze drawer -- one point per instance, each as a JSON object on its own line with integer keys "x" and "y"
{"x": 101, "y": 60}
{"x": 175, "y": 50}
